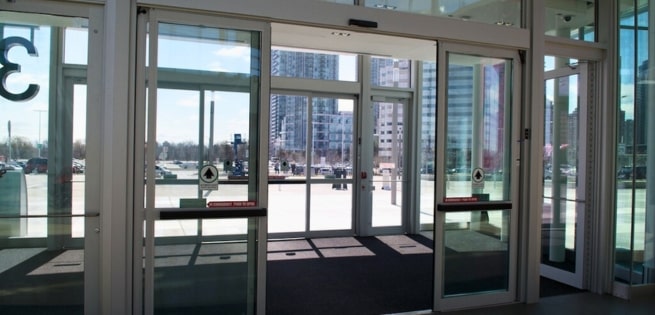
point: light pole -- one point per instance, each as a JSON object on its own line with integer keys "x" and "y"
{"x": 38, "y": 144}
{"x": 9, "y": 143}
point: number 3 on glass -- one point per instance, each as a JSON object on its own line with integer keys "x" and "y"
{"x": 9, "y": 67}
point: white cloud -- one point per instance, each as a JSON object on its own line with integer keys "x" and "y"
{"x": 233, "y": 51}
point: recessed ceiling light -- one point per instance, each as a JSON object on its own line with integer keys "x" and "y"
{"x": 385, "y": 6}
{"x": 344, "y": 34}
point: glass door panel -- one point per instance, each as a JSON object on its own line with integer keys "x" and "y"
{"x": 288, "y": 164}
{"x": 476, "y": 218}
{"x": 47, "y": 263}
{"x": 564, "y": 165}
{"x": 331, "y": 156}
{"x": 201, "y": 215}
{"x": 426, "y": 162}
{"x": 388, "y": 161}
{"x": 310, "y": 182}
{"x": 331, "y": 135}
{"x": 466, "y": 245}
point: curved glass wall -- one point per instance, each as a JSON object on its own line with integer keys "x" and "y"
{"x": 635, "y": 206}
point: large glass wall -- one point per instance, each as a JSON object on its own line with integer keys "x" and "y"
{"x": 42, "y": 163}
{"x": 568, "y": 19}
{"x": 571, "y": 19}
{"x": 428, "y": 125}
{"x": 500, "y": 12}
{"x": 635, "y": 206}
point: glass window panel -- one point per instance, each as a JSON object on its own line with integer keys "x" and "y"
{"x": 288, "y": 162}
{"x": 427, "y": 142}
{"x": 388, "y": 158}
{"x": 332, "y": 130}
{"x": 477, "y": 149}
{"x": 331, "y": 209}
{"x": 295, "y": 162}
{"x": 76, "y": 47}
{"x": 287, "y": 204}
{"x": 215, "y": 227}
{"x": 288, "y": 123}
{"x": 351, "y": 2}
{"x": 571, "y": 19}
{"x": 313, "y": 64}
{"x": 562, "y": 156}
{"x": 506, "y": 13}
{"x": 205, "y": 119}
{"x": 204, "y": 115}
{"x": 388, "y": 72}
{"x": 42, "y": 163}
{"x": 467, "y": 244}
{"x": 205, "y": 48}
{"x": 634, "y": 248}
{"x": 204, "y": 277}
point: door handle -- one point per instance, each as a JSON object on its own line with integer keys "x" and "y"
{"x": 363, "y": 175}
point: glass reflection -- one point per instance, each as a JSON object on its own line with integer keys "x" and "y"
{"x": 499, "y": 12}
{"x": 388, "y": 72}
{"x": 389, "y": 159}
{"x": 563, "y": 153}
{"x": 635, "y": 214}
{"x": 467, "y": 245}
{"x": 428, "y": 128}
{"x": 42, "y": 163}
{"x": 201, "y": 278}
{"x": 330, "y": 210}
{"x": 571, "y": 19}
{"x": 313, "y": 64}
{"x": 203, "y": 118}
{"x": 477, "y": 152}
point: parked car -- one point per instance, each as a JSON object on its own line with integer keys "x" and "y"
{"x": 626, "y": 172}
{"x": 36, "y": 165}
{"x": 161, "y": 171}
{"x": 78, "y": 167}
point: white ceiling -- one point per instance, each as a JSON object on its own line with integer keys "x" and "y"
{"x": 304, "y": 37}
{"x": 315, "y": 38}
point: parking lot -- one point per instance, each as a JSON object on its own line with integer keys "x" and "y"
{"x": 330, "y": 208}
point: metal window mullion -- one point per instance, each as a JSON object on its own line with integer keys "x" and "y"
{"x": 591, "y": 122}
{"x": 150, "y": 133}
{"x": 310, "y": 149}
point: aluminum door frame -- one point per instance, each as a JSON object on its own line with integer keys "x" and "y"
{"x": 576, "y": 278}
{"x": 476, "y": 300}
{"x": 143, "y": 254}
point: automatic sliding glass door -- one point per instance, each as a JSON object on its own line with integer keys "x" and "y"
{"x": 199, "y": 244}
{"x": 477, "y": 178}
{"x": 49, "y": 218}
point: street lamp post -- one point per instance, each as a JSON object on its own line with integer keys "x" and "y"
{"x": 38, "y": 144}
{"x": 9, "y": 141}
